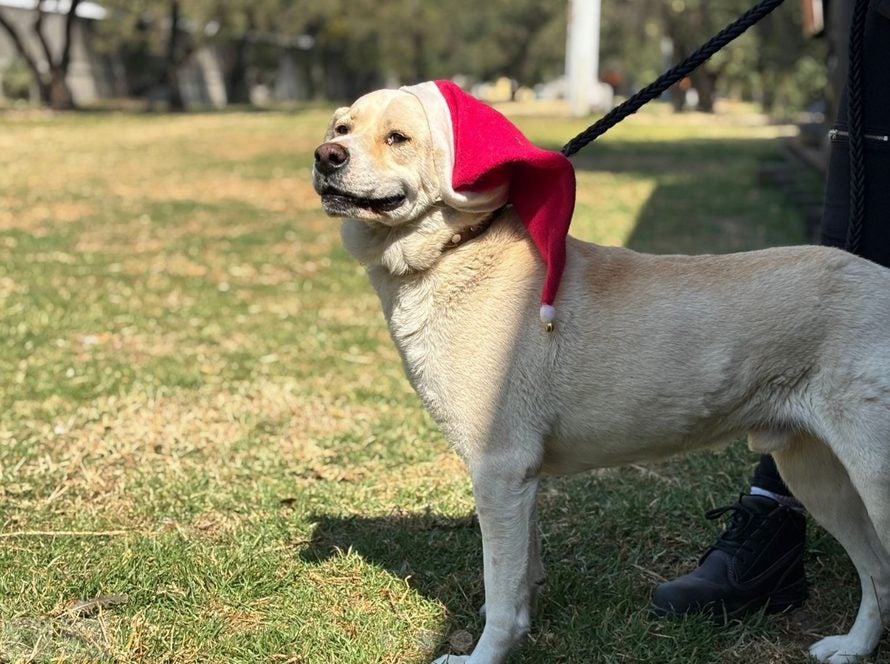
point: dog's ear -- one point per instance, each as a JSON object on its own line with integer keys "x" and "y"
{"x": 340, "y": 112}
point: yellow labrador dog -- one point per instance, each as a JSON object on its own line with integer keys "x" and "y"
{"x": 650, "y": 356}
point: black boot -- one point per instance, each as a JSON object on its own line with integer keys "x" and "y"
{"x": 757, "y": 563}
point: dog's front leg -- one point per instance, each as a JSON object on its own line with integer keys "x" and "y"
{"x": 535, "y": 565}
{"x": 505, "y": 494}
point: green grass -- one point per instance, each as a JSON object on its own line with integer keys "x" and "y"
{"x": 202, "y": 411}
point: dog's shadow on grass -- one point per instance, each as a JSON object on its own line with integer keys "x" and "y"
{"x": 595, "y": 565}
{"x": 439, "y": 556}
{"x": 606, "y": 542}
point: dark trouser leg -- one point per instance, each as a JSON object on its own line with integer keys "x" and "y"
{"x": 766, "y": 476}
{"x": 876, "y": 109}
{"x": 875, "y": 244}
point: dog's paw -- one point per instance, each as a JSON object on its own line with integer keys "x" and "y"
{"x": 482, "y": 610}
{"x": 451, "y": 659}
{"x": 840, "y": 649}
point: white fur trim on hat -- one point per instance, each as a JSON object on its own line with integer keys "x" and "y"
{"x": 438, "y": 116}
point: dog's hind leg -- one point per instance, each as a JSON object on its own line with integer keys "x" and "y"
{"x": 505, "y": 493}
{"x": 869, "y": 469}
{"x": 821, "y": 483}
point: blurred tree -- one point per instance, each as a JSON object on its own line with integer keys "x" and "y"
{"x": 688, "y": 23}
{"x": 51, "y": 79}
{"x": 631, "y": 43}
{"x": 358, "y": 45}
{"x": 521, "y": 39}
{"x": 249, "y": 36}
{"x": 176, "y": 56}
{"x": 17, "y": 80}
{"x": 147, "y": 38}
{"x": 339, "y": 49}
{"x": 788, "y": 67}
{"x": 772, "y": 63}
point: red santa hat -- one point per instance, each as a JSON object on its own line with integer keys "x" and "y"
{"x": 484, "y": 161}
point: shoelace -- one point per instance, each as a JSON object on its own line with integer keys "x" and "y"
{"x": 741, "y": 532}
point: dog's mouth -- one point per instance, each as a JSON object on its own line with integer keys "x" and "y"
{"x": 336, "y": 200}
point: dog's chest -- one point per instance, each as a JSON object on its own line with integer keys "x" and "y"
{"x": 410, "y": 309}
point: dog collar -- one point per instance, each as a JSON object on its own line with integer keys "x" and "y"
{"x": 471, "y": 232}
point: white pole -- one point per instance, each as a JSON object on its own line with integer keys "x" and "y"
{"x": 582, "y": 54}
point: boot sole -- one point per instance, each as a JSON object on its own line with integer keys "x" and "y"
{"x": 784, "y": 599}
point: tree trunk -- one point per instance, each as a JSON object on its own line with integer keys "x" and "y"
{"x": 768, "y": 100}
{"x": 677, "y": 94}
{"x": 19, "y": 44}
{"x": 705, "y": 83}
{"x": 57, "y": 94}
{"x": 175, "y": 101}
{"x": 237, "y": 89}
{"x": 54, "y": 90}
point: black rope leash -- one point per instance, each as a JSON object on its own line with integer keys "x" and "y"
{"x": 671, "y": 76}
{"x": 856, "y": 126}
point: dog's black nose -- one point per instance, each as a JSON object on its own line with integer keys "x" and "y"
{"x": 329, "y": 157}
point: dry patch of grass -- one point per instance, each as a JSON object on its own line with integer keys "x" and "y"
{"x": 282, "y": 194}
{"x": 38, "y": 218}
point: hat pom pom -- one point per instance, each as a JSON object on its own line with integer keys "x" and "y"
{"x": 548, "y": 313}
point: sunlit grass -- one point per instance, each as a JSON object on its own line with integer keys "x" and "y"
{"x": 203, "y": 411}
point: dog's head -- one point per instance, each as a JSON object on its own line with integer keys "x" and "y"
{"x": 377, "y": 161}
{"x": 434, "y": 153}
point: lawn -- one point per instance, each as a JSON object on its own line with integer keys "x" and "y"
{"x": 209, "y": 453}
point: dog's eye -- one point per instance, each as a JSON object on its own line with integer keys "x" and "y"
{"x": 341, "y": 130}
{"x": 394, "y": 138}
